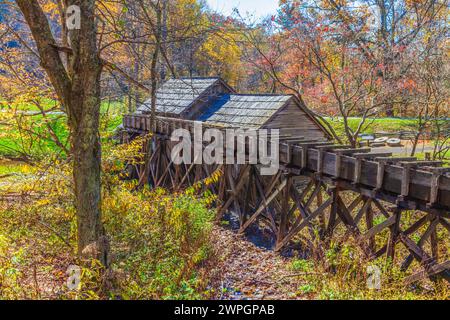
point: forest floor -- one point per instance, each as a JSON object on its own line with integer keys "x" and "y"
{"x": 242, "y": 269}
{"x": 246, "y": 272}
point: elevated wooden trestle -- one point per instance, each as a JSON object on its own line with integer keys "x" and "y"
{"x": 396, "y": 207}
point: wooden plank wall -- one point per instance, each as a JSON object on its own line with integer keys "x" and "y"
{"x": 293, "y": 120}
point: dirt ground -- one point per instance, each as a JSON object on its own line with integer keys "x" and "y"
{"x": 245, "y": 271}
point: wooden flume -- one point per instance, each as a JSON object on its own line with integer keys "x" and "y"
{"x": 380, "y": 201}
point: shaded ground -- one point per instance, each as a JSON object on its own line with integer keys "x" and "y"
{"x": 245, "y": 271}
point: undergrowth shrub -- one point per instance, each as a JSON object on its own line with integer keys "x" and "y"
{"x": 159, "y": 240}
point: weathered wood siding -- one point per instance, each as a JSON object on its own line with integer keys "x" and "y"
{"x": 294, "y": 121}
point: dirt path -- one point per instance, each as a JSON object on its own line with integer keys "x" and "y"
{"x": 245, "y": 271}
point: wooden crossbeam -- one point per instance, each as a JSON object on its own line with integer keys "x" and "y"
{"x": 303, "y": 211}
{"x": 395, "y": 160}
{"x": 352, "y": 151}
{"x": 303, "y": 224}
{"x": 331, "y": 147}
{"x": 294, "y": 139}
{"x": 416, "y": 251}
{"x": 372, "y": 155}
{"x": 437, "y": 269}
{"x": 406, "y": 263}
{"x": 263, "y": 206}
{"x": 379, "y": 227}
{"x": 438, "y": 170}
{"x": 237, "y": 189}
{"x": 352, "y": 206}
{"x": 415, "y": 164}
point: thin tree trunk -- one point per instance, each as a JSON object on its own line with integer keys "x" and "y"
{"x": 154, "y": 86}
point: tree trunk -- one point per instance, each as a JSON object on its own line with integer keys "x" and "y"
{"x": 85, "y": 70}
{"x": 415, "y": 142}
{"x": 78, "y": 88}
{"x": 86, "y": 153}
{"x": 144, "y": 179}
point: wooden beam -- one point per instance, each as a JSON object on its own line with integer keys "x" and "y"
{"x": 263, "y": 206}
{"x": 379, "y": 227}
{"x": 435, "y": 270}
{"x": 303, "y": 224}
{"x": 238, "y": 188}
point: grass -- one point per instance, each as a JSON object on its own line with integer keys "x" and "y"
{"x": 8, "y": 167}
{"x": 375, "y": 124}
{"x": 26, "y": 135}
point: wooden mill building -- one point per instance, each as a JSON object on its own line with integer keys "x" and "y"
{"x": 213, "y": 101}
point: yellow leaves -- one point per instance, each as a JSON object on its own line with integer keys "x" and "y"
{"x": 223, "y": 55}
{"x": 114, "y": 8}
{"x": 327, "y": 4}
{"x": 4, "y": 244}
{"x": 50, "y": 7}
{"x": 131, "y": 153}
{"x": 42, "y": 202}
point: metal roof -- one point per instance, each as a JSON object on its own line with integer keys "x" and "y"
{"x": 177, "y": 95}
{"x": 243, "y": 110}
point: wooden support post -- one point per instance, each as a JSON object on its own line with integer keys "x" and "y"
{"x": 304, "y": 157}
{"x": 285, "y": 208}
{"x": 319, "y": 162}
{"x": 357, "y": 172}
{"x": 369, "y": 225}
{"x": 337, "y": 167}
{"x": 395, "y": 229}
{"x": 434, "y": 189}
{"x": 380, "y": 175}
{"x": 333, "y": 213}
{"x": 434, "y": 244}
{"x": 322, "y": 222}
{"x": 247, "y": 196}
{"x": 435, "y": 182}
{"x": 406, "y": 177}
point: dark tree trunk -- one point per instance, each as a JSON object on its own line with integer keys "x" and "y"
{"x": 78, "y": 87}
{"x": 86, "y": 153}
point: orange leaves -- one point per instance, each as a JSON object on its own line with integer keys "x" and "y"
{"x": 408, "y": 84}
